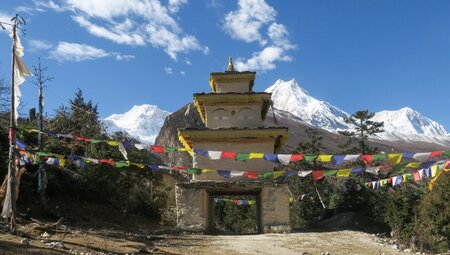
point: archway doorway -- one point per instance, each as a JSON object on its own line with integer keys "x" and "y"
{"x": 234, "y": 213}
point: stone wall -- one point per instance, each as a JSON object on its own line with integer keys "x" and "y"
{"x": 195, "y": 208}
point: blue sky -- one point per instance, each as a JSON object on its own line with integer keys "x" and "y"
{"x": 375, "y": 55}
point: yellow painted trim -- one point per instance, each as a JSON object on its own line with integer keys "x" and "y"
{"x": 185, "y": 144}
{"x": 199, "y": 109}
{"x": 212, "y": 84}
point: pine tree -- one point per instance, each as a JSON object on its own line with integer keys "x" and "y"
{"x": 364, "y": 128}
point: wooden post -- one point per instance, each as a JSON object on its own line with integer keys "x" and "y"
{"x": 9, "y": 205}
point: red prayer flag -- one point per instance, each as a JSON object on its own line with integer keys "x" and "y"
{"x": 317, "y": 174}
{"x": 390, "y": 180}
{"x": 158, "y": 149}
{"x": 296, "y": 157}
{"x": 110, "y": 162}
{"x": 436, "y": 154}
{"x": 447, "y": 165}
{"x": 416, "y": 176}
{"x": 235, "y": 201}
{"x": 228, "y": 154}
{"x": 251, "y": 174}
{"x": 367, "y": 158}
{"x": 181, "y": 168}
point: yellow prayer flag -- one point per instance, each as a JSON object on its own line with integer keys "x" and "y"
{"x": 414, "y": 164}
{"x": 112, "y": 143}
{"x": 344, "y": 172}
{"x": 277, "y": 174}
{"x": 433, "y": 181}
{"x": 255, "y": 155}
{"x": 395, "y": 158}
{"x": 434, "y": 170}
{"x": 138, "y": 165}
{"x": 62, "y": 162}
{"x": 324, "y": 158}
{"x": 206, "y": 170}
{"x": 182, "y": 149}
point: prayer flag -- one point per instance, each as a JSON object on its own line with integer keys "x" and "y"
{"x": 242, "y": 156}
{"x": 20, "y": 72}
{"x": 395, "y": 158}
{"x": 407, "y": 155}
{"x": 251, "y": 174}
{"x": 236, "y": 173}
{"x": 112, "y": 143}
{"x": 214, "y": 155}
{"x": 296, "y": 157}
{"x": 270, "y": 157}
{"x": 228, "y": 154}
{"x": 266, "y": 175}
{"x": 256, "y": 155}
{"x": 358, "y": 170}
{"x": 378, "y": 157}
{"x": 303, "y": 173}
{"x": 200, "y": 152}
{"x": 158, "y": 149}
{"x": 367, "y": 158}
{"x": 317, "y": 174}
{"x": 195, "y": 170}
{"x": 422, "y": 156}
{"x": 373, "y": 170}
{"x": 417, "y": 176}
{"x": 329, "y": 173}
{"x": 351, "y": 157}
{"x": 338, "y": 159}
{"x": 309, "y": 158}
{"x": 344, "y": 172}
{"x": 139, "y": 146}
{"x": 414, "y": 164}
{"x": 123, "y": 151}
{"x": 434, "y": 170}
{"x": 277, "y": 174}
{"x": 284, "y": 158}
{"x": 224, "y": 173}
{"x": 436, "y": 154}
{"x": 324, "y": 158}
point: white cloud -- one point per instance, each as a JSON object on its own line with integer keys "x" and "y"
{"x": 120, "y": 57}
{"x": 76, "y": 52}
{"x": 245, "y": 23}
{"x": 263, "y": 60}
{"x": 188, "y": 62}
{"x": 168, "y": 70}
{"x": 132, "y": 22}
{"x": 174, "y": 5}
{"x": 37, "y": 45}
{"x": 117, "y": 34}
{"x": 182, "y": 73}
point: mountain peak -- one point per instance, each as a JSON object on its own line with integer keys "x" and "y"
{"x": 408, "y": 121}
{"x": 141, "y": 121}
{"x": 289, "y": 96}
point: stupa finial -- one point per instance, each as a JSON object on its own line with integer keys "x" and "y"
{"x": 230, "y": 67}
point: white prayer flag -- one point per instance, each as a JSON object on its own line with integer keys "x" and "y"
{"x": 214, "y": 154}
{"x": 284, "y": 158}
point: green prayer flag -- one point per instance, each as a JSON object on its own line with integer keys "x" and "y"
{"x": 43, "y": 154}
{"x": 446, "y": 154}
{"x": 96, "y": 141}
{"x": 122, "y": 164}
{"x": 170, "y": 149}
{"x": 378, "y": 156}
{"x": 329, "y": 172}
{"x": 309, "y": 158}
{"x": 266, "y": 175}
{"x": 195, "y": 170}
{"x": 242, "y": 156}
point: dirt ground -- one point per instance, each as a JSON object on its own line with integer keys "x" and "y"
{"x": 67, "y": 240}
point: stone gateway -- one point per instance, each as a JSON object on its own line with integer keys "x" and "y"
{"x": 233, "y": 115}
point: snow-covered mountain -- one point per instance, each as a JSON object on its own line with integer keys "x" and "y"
{"x": 142, "y": 122}
{"x": 407, "y": 124}
{"x": 290, "y": 97}
{"x": 402, "y": 125}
